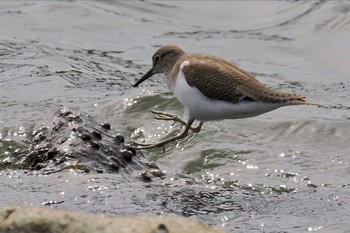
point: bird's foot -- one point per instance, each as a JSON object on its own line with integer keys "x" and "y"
{"x": 164, "y": 116}
{"x": 164, "y": 142}
{"x": 158, "y": 144}
{"x": 145, "y": 145}
{"x": 149, "y": 145}
{"x": 172, "y": 117}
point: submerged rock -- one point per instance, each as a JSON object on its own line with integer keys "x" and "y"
{"x": 72, "y": 140}
{"x": 18, "y": 219}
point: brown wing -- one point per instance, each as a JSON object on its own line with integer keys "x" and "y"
{"x": 218, "y": 79}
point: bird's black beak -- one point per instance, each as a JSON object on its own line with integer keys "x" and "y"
{"x": 146, "y": 76}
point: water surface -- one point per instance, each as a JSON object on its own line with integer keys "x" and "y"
{"x": 86, "y": 55}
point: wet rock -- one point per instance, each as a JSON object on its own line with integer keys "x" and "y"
{"x": 162, "y": 229}
{"x": 119, "y": 138}
{"x": 85, "y": 137}
{"x": 127, "y": 155}
{"x": 96, "y": 134}
{"x": 106, "y": 126}
{"x": 16, "y": 219}
{"x": 73, "y": 140}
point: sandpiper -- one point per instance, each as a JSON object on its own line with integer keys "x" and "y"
{"x": 212, "y": 88}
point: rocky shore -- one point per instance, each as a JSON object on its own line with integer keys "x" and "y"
{"x": 26, "y": 219}
{"x": 75, "y": 140}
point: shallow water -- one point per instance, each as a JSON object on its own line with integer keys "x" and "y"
{"x": 86, "y": 55}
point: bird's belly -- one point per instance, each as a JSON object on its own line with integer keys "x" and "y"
{"x": 203, "y": 108}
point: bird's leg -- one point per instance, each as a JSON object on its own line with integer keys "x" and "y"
{"x": 182, "y": 135}
{"x": 172, "y": 117}
{"x": 198, "y": 128}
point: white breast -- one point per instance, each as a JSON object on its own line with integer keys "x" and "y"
{"x": 203, "y": 108}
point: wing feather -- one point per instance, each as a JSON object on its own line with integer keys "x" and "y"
{"x": 220, "y": 80}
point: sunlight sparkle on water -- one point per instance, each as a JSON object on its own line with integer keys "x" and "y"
{"x": 314, "y": 228}
{"x": 252, "y": 167}
{"x": 129, "y": 102}
{"x": 224, "y": 221}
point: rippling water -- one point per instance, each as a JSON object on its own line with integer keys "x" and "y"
{"x": 87, "y": 55}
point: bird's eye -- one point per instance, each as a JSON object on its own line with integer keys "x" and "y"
{"x": 156, "y": 58}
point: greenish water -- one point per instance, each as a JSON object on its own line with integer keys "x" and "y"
{"x": 87, "y": 55}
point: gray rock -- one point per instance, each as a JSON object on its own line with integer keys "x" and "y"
{"x": 74, "y": 140}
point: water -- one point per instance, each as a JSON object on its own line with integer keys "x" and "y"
{"x": 289, "y": 168}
